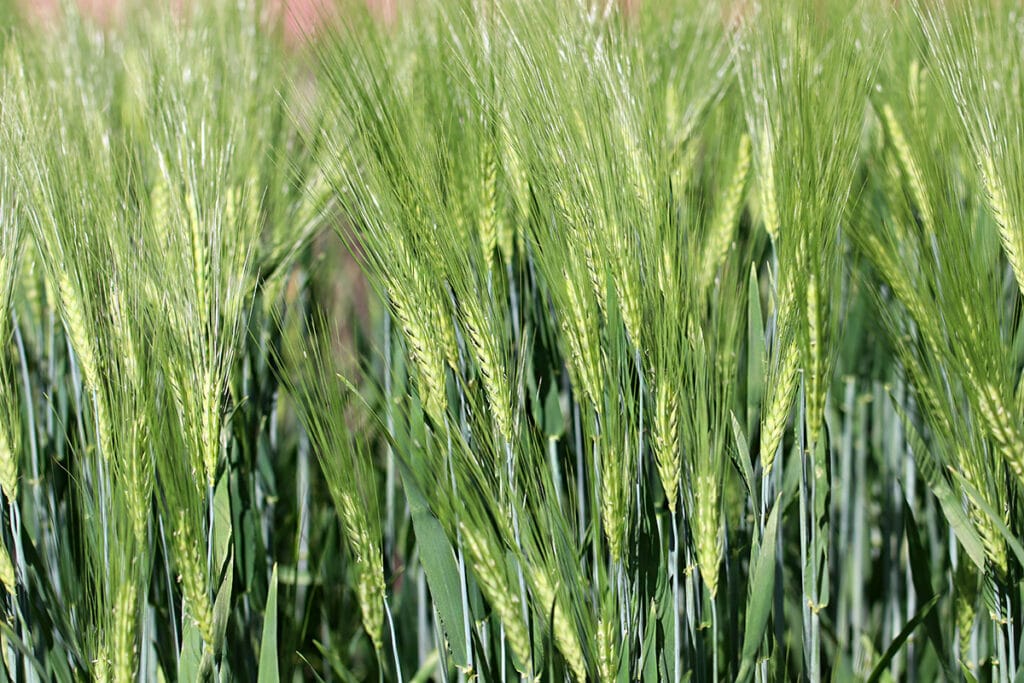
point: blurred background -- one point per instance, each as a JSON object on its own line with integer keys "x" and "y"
{"x": 300, "y": 17}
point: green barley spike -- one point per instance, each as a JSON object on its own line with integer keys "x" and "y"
{"x": 727, "y": 215}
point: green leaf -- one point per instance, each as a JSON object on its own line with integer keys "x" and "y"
{"x": 554, "y": 421}
{"x": 438, "y": 560}
{"x": 249, "y": 548}
{"x": 649, "y": 654}
{"x": 221, "y": 523}
{"x": 222, "y": 606}
{"x": 897, "y": 643}
{"x": 760, "y": 591}
{"x": 190, "y": 660}
{"x": 741, "y": 457}
{"x": 951, "y": 503}
{"x": 268, "y": 671}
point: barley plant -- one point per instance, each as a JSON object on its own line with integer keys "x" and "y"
{"x": 547, "y": 340}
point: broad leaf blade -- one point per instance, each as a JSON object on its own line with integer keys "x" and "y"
{"x": 438, "y": 559}
{"x": 268, "y": 671}
{"x": 760, "y": 591}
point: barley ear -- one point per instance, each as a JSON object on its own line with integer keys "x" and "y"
{"x": 488, "y": 206}
{"x": 626, "y": 278}
{"x": 9, "y": 443}
{"x": 488, "y": 566}
{"x": 1005, "y": 431}
{"x": 965, "y": 585}
{"x": 423, "y": 351}
{"x": 160, "y": 206}
{"x": 565, "y": 636}
{"x": 782, "y": 388}
{"x": 486, "y": 352}
{"x": 193, "y": 581}
{"x": 584, "y": 368}
{"x": 769, "y": 203}
{"x": 683, "y": 171}
{"x": 727, "y": 215}
{"x": 76, "y": 322}
{"x": 124, "y": 629}
{"x": 607, "y": 660}
{"x": 7, "y": 575}
{"x": 200, "y": 258}
{"x": 511, "y": 232}
{"x": 1009, "y": 232}
{"x": 370, "y": 591}
{"x": 708, "y": 532}
{"x": 991, "y": 539}
{"x": 634, "y": 147}
{"x": 613, "y": 499}
{"x": 78, "y": 325}
{"x": 10, "y": 423}
{"x": 909, "y": 165}
{"x": 817, "y": 381}
{"x": 365, "y": 546}
{"x": 666, "y": 441}
{"x": 210, "y": 425}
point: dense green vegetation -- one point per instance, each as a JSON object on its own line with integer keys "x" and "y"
{"x": 691, "y": 349}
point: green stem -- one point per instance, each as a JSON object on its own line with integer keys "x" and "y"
{"x": 394, "y": 641}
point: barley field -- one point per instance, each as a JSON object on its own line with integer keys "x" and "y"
{"x": 512, "y": 340}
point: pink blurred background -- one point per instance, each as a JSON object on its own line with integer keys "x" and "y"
{"x": 301, "y": 17}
